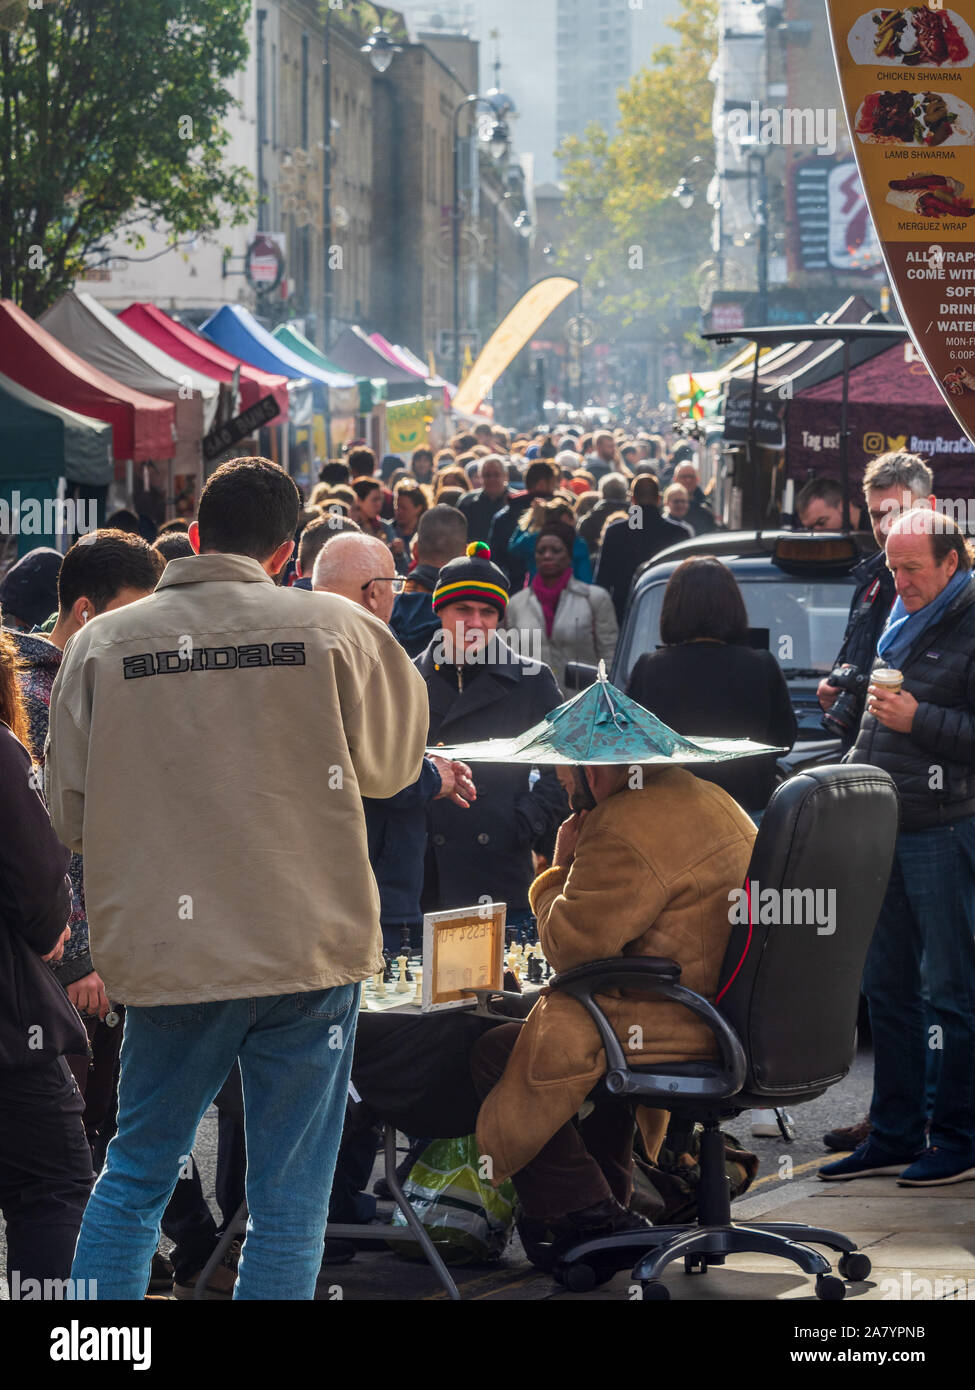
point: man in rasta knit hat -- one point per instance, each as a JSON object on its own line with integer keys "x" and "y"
{"x": 480, "y": 688}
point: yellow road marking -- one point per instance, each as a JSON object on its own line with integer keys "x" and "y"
{"x": 801, "y": 1168}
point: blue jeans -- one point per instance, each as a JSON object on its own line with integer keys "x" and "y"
{"x": 929, "y": 911}
{"x": 295, "y": 1054}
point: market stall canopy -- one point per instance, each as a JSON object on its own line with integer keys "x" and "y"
{"x": 798, "y": 357}
{"x": 893, "y": 404}
{"x": 39, "y": 439}
{"x": 355, "y": 353}
{"x": 403, "y": 357}
{"x": 86, "y": 327}
{"x": 679, "y": 385}
{"x": 237, "y": 331}
{"x": 602, "y": 725}
{"x": 204, "y": 356}
{"x": 142, "y": 427}
{"x": 370, "y": 391}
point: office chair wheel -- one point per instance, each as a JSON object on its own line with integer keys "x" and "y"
{"x": 853, "y": 1266}
{"x": 830, "y": 1289}
{"x": 578, "y": 1277}
{"x": 654, "y": 1291}
{"x": 695, "y": 1264}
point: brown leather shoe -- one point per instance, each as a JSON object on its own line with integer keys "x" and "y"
{"x": 841, "y": 1140}
{"x": 222, "y": 1280}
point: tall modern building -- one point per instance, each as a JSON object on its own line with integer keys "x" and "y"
{"x": 563, "y": 61}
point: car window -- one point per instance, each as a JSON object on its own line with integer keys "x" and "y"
{"x": 805, "y": 620}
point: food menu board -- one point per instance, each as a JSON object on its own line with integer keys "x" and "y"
{"x": 908, "y": 82}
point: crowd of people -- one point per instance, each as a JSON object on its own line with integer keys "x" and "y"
{"x": 204, "y": 935}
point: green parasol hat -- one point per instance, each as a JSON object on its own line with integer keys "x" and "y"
{"x": 602, "y": 725}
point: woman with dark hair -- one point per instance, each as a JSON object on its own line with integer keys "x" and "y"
{"x": 558, "y": 617}
{"x": 421, "y": 464}
{"x": 410, "y": 502}
{"x": 706, "y": 680}
{"x": 45, "y": 1161}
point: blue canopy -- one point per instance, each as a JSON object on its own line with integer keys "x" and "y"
{"x": 238, "y": 332}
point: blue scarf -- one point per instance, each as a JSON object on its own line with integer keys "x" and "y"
{"x": 904, "y": 629}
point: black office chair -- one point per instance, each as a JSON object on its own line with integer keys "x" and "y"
{"x": 784, "y": 1024}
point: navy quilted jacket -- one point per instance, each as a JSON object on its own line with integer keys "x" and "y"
{"x": 933, "y": 766}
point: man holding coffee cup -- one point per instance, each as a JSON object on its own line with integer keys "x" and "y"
{"x": 892, "y": 485}
{"x": 919, "y": 726}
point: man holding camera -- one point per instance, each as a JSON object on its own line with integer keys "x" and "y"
{"x": 919, "y": 726}
{"x": 892, "y": 484}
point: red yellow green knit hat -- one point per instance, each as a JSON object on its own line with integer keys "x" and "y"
{"x": 474, "y": 578}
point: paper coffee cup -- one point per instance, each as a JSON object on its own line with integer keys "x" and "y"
{"x": 888, "y": 679}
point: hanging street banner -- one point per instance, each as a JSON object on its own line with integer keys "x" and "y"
{"x": 908, "y": 83}
{"x": 408, "y": 424}
{"x": 508, "y": 339}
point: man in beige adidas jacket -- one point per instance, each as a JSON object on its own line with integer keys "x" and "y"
{"x": 208, "y": 752}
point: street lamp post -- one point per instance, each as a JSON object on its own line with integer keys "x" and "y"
{"x": 381, "y": 50}
{"x": 498, "y": 144}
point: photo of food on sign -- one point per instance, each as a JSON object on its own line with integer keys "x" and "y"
{"x": 909, "y": 118}
{"x": 930, "y": 195}
{"x": 959, "y": 380}
{"x": 912, "y": 37}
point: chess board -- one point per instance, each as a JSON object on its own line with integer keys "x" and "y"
{"x": 517, "y": 960}
{"x": 375, "y": 1002}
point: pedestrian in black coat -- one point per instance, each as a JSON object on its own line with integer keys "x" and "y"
{"x": 706, "y": 682}
{"x": 628, "y": 544}
{"x": 45, "y": 1161}
{"x": 484, "y": 853}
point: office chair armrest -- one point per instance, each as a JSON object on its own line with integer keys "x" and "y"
{"x": 657, "y": 978}
{"x": 521, "y": 1004}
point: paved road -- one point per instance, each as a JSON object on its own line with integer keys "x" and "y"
{"x": 380, "y": 1275}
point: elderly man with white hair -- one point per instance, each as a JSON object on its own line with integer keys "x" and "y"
{"x": 699, "y": 516}
{"x": 614, "y": 494}
{"x": 361, "y": 569}
{"x": 482, "y": 505}
{"x": 919, "y": 726}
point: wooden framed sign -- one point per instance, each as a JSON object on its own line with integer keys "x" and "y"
{"x": 462, "y": 950}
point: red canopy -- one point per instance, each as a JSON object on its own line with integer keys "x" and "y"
{"x": 142, "y": 426}
{"x": 198, "y": 352}
{"x": 894, "y": 403}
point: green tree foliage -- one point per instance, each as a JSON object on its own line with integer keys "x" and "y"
{"x": 639, "y": 250}
{"x": 111, "y": 115}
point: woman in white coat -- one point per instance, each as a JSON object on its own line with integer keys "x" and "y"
{"x": 559, "y": 618}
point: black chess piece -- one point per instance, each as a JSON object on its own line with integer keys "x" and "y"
{"x": 548, "y": 971}
{"x": 387, "y": 968}
{"x": 534, "y": 970}
{"x": 404, "y": 943}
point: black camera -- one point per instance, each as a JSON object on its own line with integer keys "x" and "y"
{"x": 844, "y": 718}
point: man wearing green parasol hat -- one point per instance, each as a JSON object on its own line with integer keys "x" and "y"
{"x": 648, "y": 870}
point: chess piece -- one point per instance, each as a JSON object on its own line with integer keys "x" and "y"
{"x": 387, "y": 968}
{"x": 380, "y": 983}
{"x": 418, "y": 980}
{"x": 401, "y": 986}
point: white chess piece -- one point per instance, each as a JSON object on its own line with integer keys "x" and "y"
{"x": 418, "y": 981}
{"x": 402, "y": 985}
{"x": 380, "y": 985}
